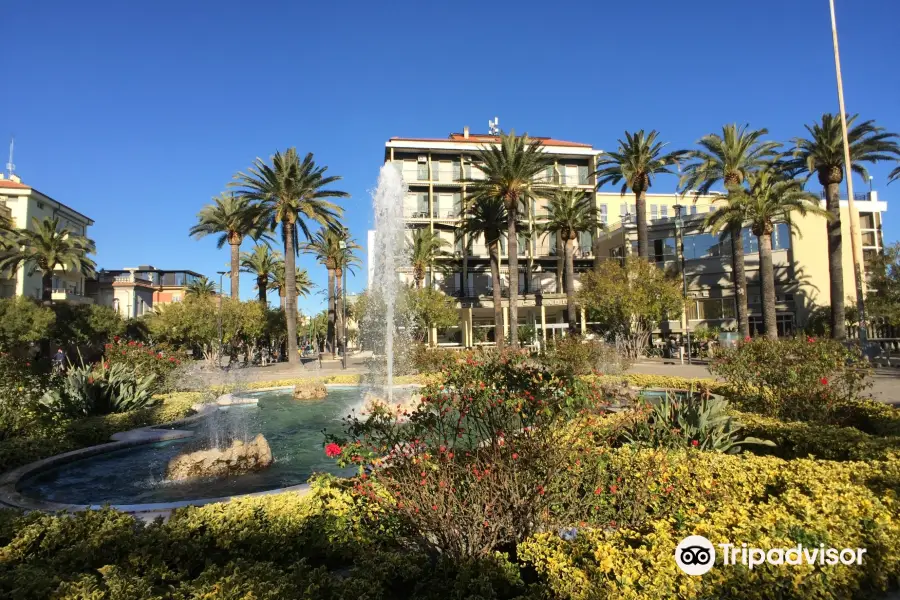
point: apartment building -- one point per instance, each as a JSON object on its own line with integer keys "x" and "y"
{"x": 799, "y": 257}
{"x": 136, "y": 291}
{"x": 435, "y": 171}
{"x": 21, "y": 204}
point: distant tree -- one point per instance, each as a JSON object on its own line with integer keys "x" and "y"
{"x": 200, "y": 288}
{"x": 46, "y": 247}
{"x": 430, "y": 308}
{"x": 86, "y": 326}
{"x": 262, "y": 263}
{"x": 883, "y": 297}
{"x": 638, "y": 158}
{"x": 303, "y": 285}
{"x": 822, "y": 153}
{"x": 571, "y": 212}
{"x": 425, "y": 247}
{"x": 730, "y": 158}
{"x": 234, "y": 218}
{"x": 630, "y": 300}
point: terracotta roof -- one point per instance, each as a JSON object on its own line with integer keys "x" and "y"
{"x": 9, "y": 183}
{"x": 477, "y": 138}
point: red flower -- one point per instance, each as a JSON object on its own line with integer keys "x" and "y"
{"x": 810, "y": 340}
{"x": 332, "y": 450}
{"x": 171, "y": 359}
{"x": 116, "y": 338}
{"x": 434, "y": 507}
{"x": 613, "y": 489}
{"x": 515, "y": 456}
{"x": 177, "y": 362}
{"x": 541, "y": 490}
{"x": 123, "y": 353}
{"x": 131, "y": 343}
{"x": 824, "y": 381}
{"x": 106, "y": 365}
{"x": 598, "y": 491}
{"x": 746, "y": 338}
{"x": 695, "y": 443}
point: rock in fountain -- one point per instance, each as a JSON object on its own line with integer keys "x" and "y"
{"x": 310, "y": 391}
{"x": 236, "y": 459}
{"x": 398, "y": 406}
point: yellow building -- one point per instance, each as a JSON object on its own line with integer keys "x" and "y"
{"x": 435, "y": 169}
{"x": 22, "y": 204}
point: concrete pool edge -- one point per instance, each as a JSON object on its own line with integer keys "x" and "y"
{"x": 10, "y": 497}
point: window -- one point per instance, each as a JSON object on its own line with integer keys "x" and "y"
{"x": 705, "y": 245}
{"x": 866, "y": 220}
{"x": 664, "y": 211}
{"x": 784, "y": 323}
{"x": 868, "y": 238}
{"x": 456, "y": 170}
{"x": 711, "y": 309}
{"x": 664, "y": 249}
{"x": 422, "y": 171}
{"x": 585, "y": 243}
{"x": 623, "y": 209}
{"x": 654, "y": 212}
{"x": 583, "y": 175}
{"x": 693, "y": 209}
{"x": 604, "y": 214}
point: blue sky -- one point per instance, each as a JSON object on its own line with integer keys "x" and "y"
{"x": 137, "y": 113}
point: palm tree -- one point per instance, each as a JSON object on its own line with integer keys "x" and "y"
{"x": 262, "y": 263}
{"x": 510, "y": 170}
{"x": 730, "y": 158}
{"x": 637, "y": 160}
{"x": 233, "y": 217}
{"x": 570, "y": 213}
{"x": 45, "y": 248}
{"x": 301, "y": 277}
{"x": 894, "y": 175}
{"x": 326, "y": 246}
{"x": 200, "y": 288}
{"x": 291, "y": 193}
{"x": 822, "y": 153}
{"x": 771, "y": 196}
{"x": 346, "y": 260}
{"x": 488, "y": 218}
{"x": 425, "y": 247}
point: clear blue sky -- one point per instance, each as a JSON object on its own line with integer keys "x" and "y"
{"x": 136, "y": 113}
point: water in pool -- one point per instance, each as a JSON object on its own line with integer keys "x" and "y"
{"x": 137, "y": 475}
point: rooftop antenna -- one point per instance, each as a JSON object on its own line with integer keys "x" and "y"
{"x": 10, "y": 166}
{"x": 493, "y": 126}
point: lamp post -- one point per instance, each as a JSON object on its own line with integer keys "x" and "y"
{"x": 679, "y": 237}
{"x": 343, "y": 297}
{"x": 219, "y": 317}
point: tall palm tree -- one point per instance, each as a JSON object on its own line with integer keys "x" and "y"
{"x": 425, "y": 247}
{"x": 510, "y": 170}
{"x": 637, "y": 160}
{"x": 262, "y": 263}
{"x": 233, "y": 217}
{"x": 488, "y": 218}
{"x": 771, "y": 196}
{"x": 822, "y": 153}
{"x": 346, "y": 261}
{"x": 292, "y": 193}
{"x": 730, "y": 158}
{"x": 45, "y": 248}
{"x": 570, "y": 213}
{"x": 326, "y": 247}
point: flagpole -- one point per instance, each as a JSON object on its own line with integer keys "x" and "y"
{"x": 855, "y": 240}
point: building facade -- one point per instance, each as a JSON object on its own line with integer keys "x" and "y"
{"x": 134, "y": 292}
{"x": 22, "y": 204}
{"x": 435, "y": 171}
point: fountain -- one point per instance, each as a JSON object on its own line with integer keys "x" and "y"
{"x": 389, "y": 257}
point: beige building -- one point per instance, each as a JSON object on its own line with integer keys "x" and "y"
{"x": 134, "y": 292}
{"x": 22, "y": 204}
{"x": 434, "y": 170}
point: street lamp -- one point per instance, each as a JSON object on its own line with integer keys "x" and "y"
{"x": 219, "y": 317}
{"x": 343, "y": 296}
{"x": 679, "y": 236}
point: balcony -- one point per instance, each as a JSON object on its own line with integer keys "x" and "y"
{"x": 70, "y": 296}
{"x": 857, "y": 196}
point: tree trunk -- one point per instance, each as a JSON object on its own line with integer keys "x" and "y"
{"x": 560, "y": 266}
{"x": 330, "y": 334}
{"x": 499, "y": 333}
{"x": 640, "y": 199}
{"x": 47, "y": 287}
{"x": 835, "y": 263}
{"x": 235, "y": 269}
{"x": 570, "y": 285}
{"x": 512, "y": 246}
{"x": 339, "y": 309}
{"x": 262, "y": 287}
{"x": 739, "y": 275}
{"x": 767, "y": 283}
{"x": 290, "y": 293}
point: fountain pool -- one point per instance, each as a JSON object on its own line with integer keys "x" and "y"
{"x": 137, "y": 475}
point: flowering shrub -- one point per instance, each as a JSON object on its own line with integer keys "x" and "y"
{"x": 431, "y": 360}
{"x": 585, "y": 357}
{"x": 20, "y": 391}
{"x": 480, "y": 451}
{"x": 145, "y": 359}
{"x": 802, "y": 379}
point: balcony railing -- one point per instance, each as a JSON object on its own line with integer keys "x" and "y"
{"x": 858, "y": 196}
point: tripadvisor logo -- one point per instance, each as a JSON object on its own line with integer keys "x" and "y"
{"x": 696, "y": 555}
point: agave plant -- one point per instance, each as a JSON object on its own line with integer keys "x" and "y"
{"x": 693, "y": 420}
{"x": 88, "y": 390}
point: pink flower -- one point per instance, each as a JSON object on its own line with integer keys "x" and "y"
{"x": 332, "y": 450}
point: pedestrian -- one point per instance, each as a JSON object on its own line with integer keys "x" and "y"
{"x": 59, "y": 361}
